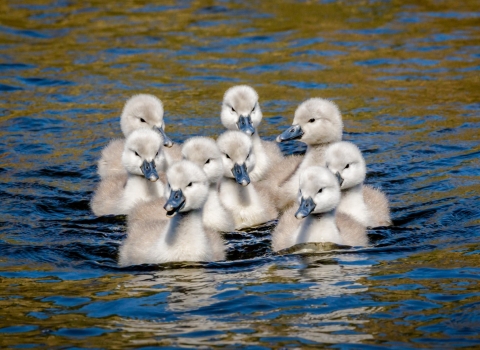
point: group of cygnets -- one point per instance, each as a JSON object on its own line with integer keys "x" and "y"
{"x": 180, "y": 198}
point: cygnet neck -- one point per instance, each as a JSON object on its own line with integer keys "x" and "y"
{"x": 353, "y": 204}
{"x": 320, "y": 227}
{"x": 185, "y": 226}
{"x": 242, "y": 194}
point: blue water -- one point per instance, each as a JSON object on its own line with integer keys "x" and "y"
{"x": 405, "y": 77}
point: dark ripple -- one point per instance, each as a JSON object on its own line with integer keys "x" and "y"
{"x": 46, "y": 82}
{"x": 213, "y": 9}
{"x": 15, "y": 66}
{"x": 4, "y": 87}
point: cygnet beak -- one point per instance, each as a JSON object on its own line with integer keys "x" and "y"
{"x": 292, "y": 133}
{"x": 175, "y": 203}
{"x": 167, "y": 141}
{"x": 339, "y": 178}
{"x": 149, "y": 170}
{"x": 245, "y": 125}
{"x": 306, "y": 207}
{"x": 241, "y": 174}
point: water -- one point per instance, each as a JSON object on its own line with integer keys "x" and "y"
{"x": 406, "y": 77}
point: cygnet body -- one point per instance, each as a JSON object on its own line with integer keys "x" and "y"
{"x": 318, "y": 197}
{"x": 318, "y": 123}
{"x": 183, "y": 237}
{"x": 140, "y": 111}
{"x": 142, "y": 158}
{"x": 241, "y": 111}
{"x": 365, "y": 204}
{"x": 204, "y": 152}
{"x": 249, "y": 203}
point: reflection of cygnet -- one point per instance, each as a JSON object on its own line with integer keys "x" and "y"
{"x": 241, "y": 111}
{"x": 319, "y": 195}
{"x": 140, "y": 111}
{"x": 181, "y": 238}
{"x": 204, "y": 152}
{"x": 142, "y": 157}
{"x": 365, "y": 204}
{"x": 317, "y": 122}
{"x": 249, "y": 203}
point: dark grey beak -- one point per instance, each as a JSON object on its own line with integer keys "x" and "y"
{"x": 149, "y": 171}
{"x": 175, "y": 203}
{"x": 241, "y": 174}
{"x": 306, "y": 207}
{"x": 339, "y": 178}
{"x": 167, "y": 141}
{"x": 292, "y": 133}
{"x": 245, "y": 125}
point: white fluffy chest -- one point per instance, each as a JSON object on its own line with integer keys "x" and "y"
{"x": 244, "y": 204}
{"x": 354, "y": 205}
{"x": 318, "y": 230}
{"x": 262, "y": 163}
{"x": 178, "y": 245}
{"x": 215, "y": 214}
{"x": 140, "y": 189}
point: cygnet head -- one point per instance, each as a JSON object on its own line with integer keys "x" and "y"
{"x": 237, "y": 155}
{"x": 319, "y": 192}
{"x": 204, "y": 152}
{"x": 241, "y": 110}
{"x": 316, "y": 121}
{"x": 141, "y": 149}
{"x": 345, "y": 160}
{"x": 187, "y": 188}
{"x": 144, "y": 111}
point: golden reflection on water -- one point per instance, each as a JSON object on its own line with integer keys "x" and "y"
{"x": 393, "y": 67}
{"x": 417, "y": 301}
{"x": 162, "y": 43}
{"x": 197, "y": 289}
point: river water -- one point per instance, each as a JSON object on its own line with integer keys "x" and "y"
{"x": 406, "y": 77}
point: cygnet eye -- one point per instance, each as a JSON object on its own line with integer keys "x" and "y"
{"x": 142, "y": 120}
{"x": 208, "y": 161}
{"x": 311, "y": 120}
{"x": 138, "y": 155}
{"x": 347, "y": 166}
{"x": 190, "y": 184}
{"x": 233, "y": 109}
{"x": 226, "y": 155}
{"x": 320, "y": 190}
{"x": 156, "y": 155}
{"x": 253, "y": 109}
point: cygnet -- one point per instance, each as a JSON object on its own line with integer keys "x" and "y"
{"x": 140, "y": 111}
{"x": 204, "y": 152}
{"x": 318, "y": 123}
{"x": 318, "y": 197}
{"x": 365, "y": 204}
{"x": 249, "y": 203}
{"x": 181, "y": 235}
{"x": 142, "y": 159}
{"x": 241, "y": 111}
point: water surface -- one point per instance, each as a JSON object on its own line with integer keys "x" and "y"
{"x": 406, "y": 77}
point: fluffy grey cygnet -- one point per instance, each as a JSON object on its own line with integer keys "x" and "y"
{"x": 249, "y": 203}
{"x": 140, "y": 111}
{"x": 142, "y": 159}
{"x": 204, "y": 152}
{"x": 318, "y": 123}
{"x": 241, "y": 111}
{"x": 180, "y": 235}
{"x": 318, "y": 197}
{"x": 364, "y": 203}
